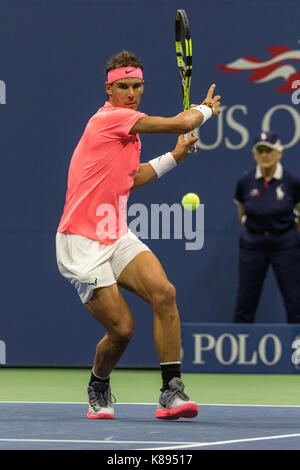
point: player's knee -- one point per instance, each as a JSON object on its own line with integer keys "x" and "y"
{"x": 123, "y": 333}
{"x": 164, "y": 295}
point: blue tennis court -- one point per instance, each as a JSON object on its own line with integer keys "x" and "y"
{"x": 64, "y": 426}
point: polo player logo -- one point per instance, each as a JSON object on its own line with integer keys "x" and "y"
{"x": 271, "y": 69}
{"x": 279, "y": 193}
{"x": 254, "y": 192}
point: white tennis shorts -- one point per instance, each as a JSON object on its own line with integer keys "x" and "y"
{"x": 88, "y": 264}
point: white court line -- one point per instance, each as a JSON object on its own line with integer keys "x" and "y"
{"x": 187, "y": 445}
{"x": 77, "y": 441}
{"x": 218, "y": 443}
{"x": 66, "y": 403}
{"x": 151, "y": 404}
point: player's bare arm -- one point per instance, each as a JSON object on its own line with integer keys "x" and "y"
{"x": 182, "y": 123}
{"x": 145, "y": 175}
{"x": 146, "y": 172}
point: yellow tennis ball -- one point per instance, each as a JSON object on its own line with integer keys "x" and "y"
{"x": 190, "y": 201}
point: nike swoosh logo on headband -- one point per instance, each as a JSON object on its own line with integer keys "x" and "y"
{"x": 130, "y": 71}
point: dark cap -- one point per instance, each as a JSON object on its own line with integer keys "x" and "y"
{"x": 269, "y": 140}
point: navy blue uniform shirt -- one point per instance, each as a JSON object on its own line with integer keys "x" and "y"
{"x": 269, "y": 205}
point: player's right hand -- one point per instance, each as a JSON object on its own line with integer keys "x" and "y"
{"x": 182, "y": 148}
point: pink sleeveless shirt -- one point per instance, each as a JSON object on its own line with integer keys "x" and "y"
{"x": 101, "y": 174}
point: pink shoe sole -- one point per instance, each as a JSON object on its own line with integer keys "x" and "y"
{"x": 100, "y": 416}
{"x": 188, "y": 410}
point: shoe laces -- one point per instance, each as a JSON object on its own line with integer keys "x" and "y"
{"x": 177, "y": 393}
{"x": 103, "y": 395}
{"x": 176, "y": 388}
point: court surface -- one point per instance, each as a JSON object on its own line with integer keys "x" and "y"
{"x": 253, "y": 421}
{"x": 64, "y": 426}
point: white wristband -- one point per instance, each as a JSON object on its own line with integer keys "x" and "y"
{"x": 206, "y": 111}
{"x": 163, "y": 164}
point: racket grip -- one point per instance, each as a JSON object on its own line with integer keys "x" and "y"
{"x": 189, "y": 135}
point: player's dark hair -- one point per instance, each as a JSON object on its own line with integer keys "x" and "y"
{"x": 123, "y": 59}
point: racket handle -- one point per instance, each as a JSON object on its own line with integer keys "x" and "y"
{"x": 189, "y": 135}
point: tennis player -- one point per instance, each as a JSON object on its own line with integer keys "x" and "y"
{"x": 95, "y": 250}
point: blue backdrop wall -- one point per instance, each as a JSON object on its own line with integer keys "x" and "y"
{"x": 52, "y": 57}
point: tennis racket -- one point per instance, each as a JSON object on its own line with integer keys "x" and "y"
{"x": 183, "y": 44}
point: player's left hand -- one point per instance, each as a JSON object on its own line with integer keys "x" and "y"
{"x": 213, "y": 101}
{"x": 182, "y": 148}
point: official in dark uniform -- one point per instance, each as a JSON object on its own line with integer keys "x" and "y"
{"x": 268, "y": 201}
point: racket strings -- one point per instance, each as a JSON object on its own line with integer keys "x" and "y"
{"x": 183, "y": 45}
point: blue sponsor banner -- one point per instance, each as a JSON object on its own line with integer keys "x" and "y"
{"x": 241, "y": 348}
{"x": 206, "y": 348}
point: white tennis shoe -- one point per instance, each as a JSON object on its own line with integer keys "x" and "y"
{"x": 100, "y": 401}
